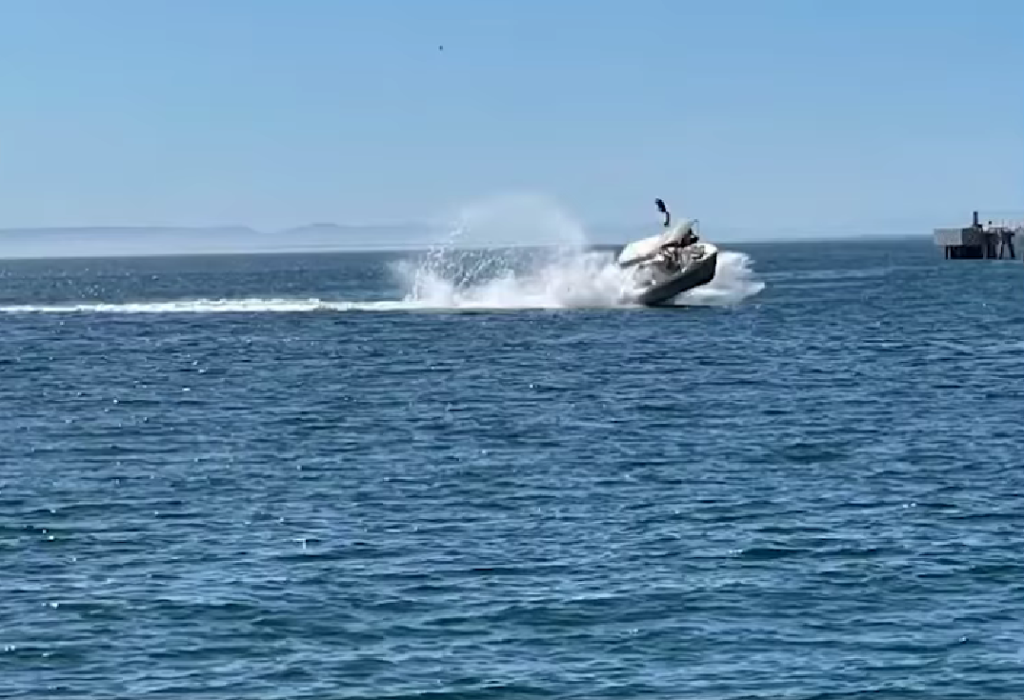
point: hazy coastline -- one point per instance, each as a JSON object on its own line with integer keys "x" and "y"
{"x": 144, "y": 241}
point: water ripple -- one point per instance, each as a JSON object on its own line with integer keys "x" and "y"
{"x": 811, "y": 495}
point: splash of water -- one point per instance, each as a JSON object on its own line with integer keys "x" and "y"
{"x": 559, "y": 280}
{"x": 566, "y": 274}
{"x": 734, "y": 281}
{"x": 518, "y": 219}
{"x": 510, "y": 251}
{"x": 510, "y": 279}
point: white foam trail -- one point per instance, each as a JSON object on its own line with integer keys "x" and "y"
{"x": 450, "y": 277}
{"x": 489, "y": 280}
{"x": 207, "y": 306}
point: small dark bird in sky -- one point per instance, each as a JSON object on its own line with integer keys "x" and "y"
{"x": 441, "y": 47}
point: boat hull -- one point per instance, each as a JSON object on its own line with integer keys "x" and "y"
{"x": 697, "y": 274}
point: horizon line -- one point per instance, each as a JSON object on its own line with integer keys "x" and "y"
{"x": 425, "y": 247}
{"x": 893, "y": 225}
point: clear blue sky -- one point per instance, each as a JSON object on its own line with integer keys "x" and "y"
{"x": 272, "y": 113}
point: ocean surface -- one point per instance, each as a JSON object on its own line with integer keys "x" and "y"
{"x": 481, "y": 476}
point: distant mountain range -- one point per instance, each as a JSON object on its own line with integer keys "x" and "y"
{"x": 93, "y": 241}
{"x": 308, "y": 229}
{"x": 126, "y": 230}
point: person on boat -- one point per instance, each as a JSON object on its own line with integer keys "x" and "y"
{"x": 688, "y": 238}
{"x": 664, "y": 210}
{"x": 672, "y": 252}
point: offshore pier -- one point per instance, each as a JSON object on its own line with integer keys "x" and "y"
{"x": 980, "y": 242}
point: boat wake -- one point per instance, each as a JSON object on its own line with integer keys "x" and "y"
{"x": 206, "y": 306}
{"x": 560, "y": 271}
{"x": 478, "y": 281}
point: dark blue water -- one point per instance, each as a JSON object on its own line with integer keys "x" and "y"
{"x": 815, "y": 493}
